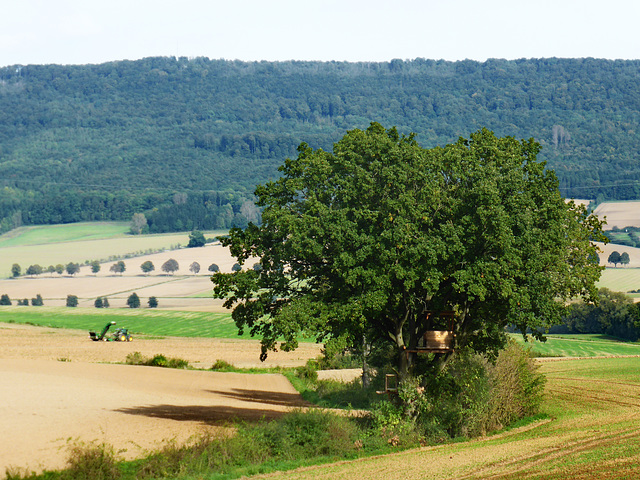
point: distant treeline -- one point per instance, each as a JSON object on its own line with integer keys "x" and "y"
{"x": 105, "y": 141}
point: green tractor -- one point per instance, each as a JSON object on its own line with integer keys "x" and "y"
{"x": 119, "y": 335}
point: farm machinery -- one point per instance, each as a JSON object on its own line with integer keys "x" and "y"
{"x": 119, "y": 335}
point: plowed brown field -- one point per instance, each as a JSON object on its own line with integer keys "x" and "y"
{"x": 56, "y": 388}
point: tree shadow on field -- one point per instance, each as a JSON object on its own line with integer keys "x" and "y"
{"x": 218, "y": 415}
{"x": 261, "y": 396}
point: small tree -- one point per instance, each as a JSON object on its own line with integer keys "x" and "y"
{"x": 147, "y": 267}
{"x": 98, "y": 303}
{"x": 214, "y": 268}
{"x": 236, "y": 267}
{"x": 194, "y": 268}
{"x": 153, "y": 302}
{"x": 170, "y": 266}
{"x": 196, "y": 239}
{"x": 59, "y": 269}
{"x": 34, "y": 270}
{"x": 133, "y": 301}
{"x": 37, "y": 302}
{"x": 72, "y": 268}
{"x": 5, "y": 300}
{"x": 105, "y": 302}
{"x": 614, "y": 257}
{"x": 624, "y": 258}
{"x": 95, "y": 266}
{"x": 51, "y": 269}
{"x": 72, "y": 300}
{"x": 138, "y": 224}
{"x": 15, "y": 270}
{"x": 118, "y": 267}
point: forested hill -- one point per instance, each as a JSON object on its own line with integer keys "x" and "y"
{"x": 192, "y": 137}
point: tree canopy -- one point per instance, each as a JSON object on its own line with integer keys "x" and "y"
{"x": 364, "y": 242}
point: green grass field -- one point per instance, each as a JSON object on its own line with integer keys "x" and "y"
{"x": 138, "y": 321}
{"x": 580, "y": 346}
{"x": 73, "y": 232}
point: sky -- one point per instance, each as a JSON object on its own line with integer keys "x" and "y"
{"x": 98, "y": 31}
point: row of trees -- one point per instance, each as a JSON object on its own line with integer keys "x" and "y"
{"x": 616, "y": 258}
{"x": 170, "y": 266}
{"x": 72, "y": 301}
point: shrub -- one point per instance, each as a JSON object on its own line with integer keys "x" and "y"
{"x": 98, "y": 303}
{"x": 37, "y": 302}
{"x": 153, "y": 302}
{"x": 221, "y": 365}
{"x": 72, "y": 301}
{"x": 159, "y": 360}
{"x": 92, "y": 461}
{"x": 236, "y": 267}
{"x": 517, "y": 386}
{"x": 5, "y": 300}
{"x": 213, "y": 268}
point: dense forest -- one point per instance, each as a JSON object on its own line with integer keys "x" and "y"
{"x": 185, "y": 141}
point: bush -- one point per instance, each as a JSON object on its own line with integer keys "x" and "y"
{"x": 5, "y": 300}
{"x": 92, "y": 461}
{"x": 159, "y": 360}
{"x": 37, "y": 302}
{"x": 153, "y": 302}
{"x": 221, "y": 365}
{"x": 72, "y": 301}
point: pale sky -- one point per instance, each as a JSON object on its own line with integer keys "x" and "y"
{"x": 97, "y": 31}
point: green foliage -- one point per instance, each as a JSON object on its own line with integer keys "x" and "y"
{"x": 98, "y": 303}
{"x": 15, "y": 270}
{"x": 159, "y": 360}
{"x": 147, "y": 266}
{"x": 133, "y": 301}
{"x": 613, "y": 314}
{"x": 4, "y": 299}
{"x": 615, "y": 258}
{"x": 92, "y": 461}
{"x": 153, "y": 302}
{"x": 72, "y": 301}
{"x": 362, "y": 242}
{"x": 194, "y": 268}
{"x": 118, "y": 267}
{"x": 213, "y": 268}
{"x": 37, "y": 302}
{"x": 196, "y": 239}
{"x": 72, "y": 268}
{"x": 95, "y": 266}
{"x": 97, "y": 114}
{"x": 34, "y": 270}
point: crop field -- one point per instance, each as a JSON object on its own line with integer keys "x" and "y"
{"x": 139, "y": 321}
{"x": 593, "y": 409}
{"x": 620, "y": 214}
{"x": 79, "y": 243}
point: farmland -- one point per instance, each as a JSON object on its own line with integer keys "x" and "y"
{"x": 589, "y": 430}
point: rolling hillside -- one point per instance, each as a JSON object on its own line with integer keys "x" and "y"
{"x": 186, "y": 140}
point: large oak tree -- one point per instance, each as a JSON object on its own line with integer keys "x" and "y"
{"x": 363, "y": 242}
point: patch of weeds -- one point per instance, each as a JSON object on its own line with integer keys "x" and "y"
{"x": 64, "y": 359}
{"x": 159, "y": 360}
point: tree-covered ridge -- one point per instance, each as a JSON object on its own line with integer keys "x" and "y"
{"x": 106, "y": 141}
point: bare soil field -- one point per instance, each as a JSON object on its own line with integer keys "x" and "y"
{"x": 58, "y": 389}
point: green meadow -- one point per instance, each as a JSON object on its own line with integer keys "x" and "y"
{"x": 580, "y": 345}
{"x": 138, "y": 321}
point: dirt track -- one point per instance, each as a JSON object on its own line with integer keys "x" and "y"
{"x": 56, "y": 389}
